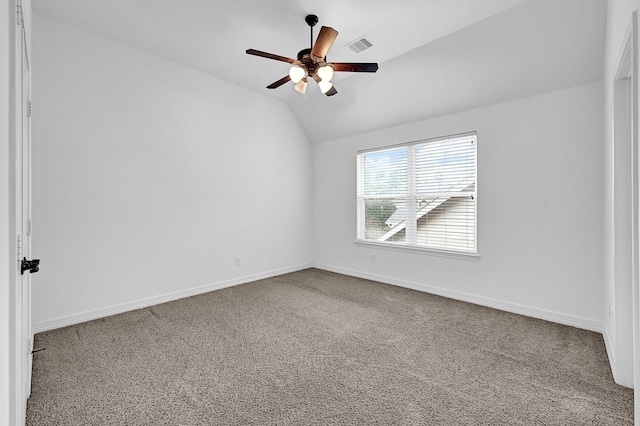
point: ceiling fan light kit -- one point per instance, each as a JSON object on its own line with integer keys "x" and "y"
{"x": 297, "y": 73}
{"x": 324, "y": 86}
{"x": 326, "y": 72}
{"x": 301, "y": 86}
{"x": 313, "y": 63}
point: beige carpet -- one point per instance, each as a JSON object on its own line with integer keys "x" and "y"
{"x": 317, "y": 348}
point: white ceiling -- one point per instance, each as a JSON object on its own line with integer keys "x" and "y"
{"x": 435, "y": 56}
{"x": 536, "y": 47}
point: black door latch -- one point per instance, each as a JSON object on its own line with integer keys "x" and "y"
{"x": 29, "y": 265}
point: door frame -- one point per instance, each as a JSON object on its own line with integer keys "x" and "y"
{"x": 625, "y": 140}
{"x": 23, "y": 198}
{"x": 635, "y": 210}
{"x": 620, "y": 309}
{"x": 20, "y": 334}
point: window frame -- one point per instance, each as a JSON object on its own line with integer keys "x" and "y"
{"x": 411, "y": 193}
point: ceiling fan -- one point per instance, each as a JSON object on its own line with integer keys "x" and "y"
{"x": 313, "y": 62}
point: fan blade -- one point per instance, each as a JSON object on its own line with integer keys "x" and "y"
{"x": 279, "y": 83}
{"x": 269, "y": 55}
{"x": 355, "y": 66}
{"x": 323, "y": 43}
{"x": 331, "y": 91}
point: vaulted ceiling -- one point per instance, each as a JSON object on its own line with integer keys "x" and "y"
{"x": 436, "y": 57}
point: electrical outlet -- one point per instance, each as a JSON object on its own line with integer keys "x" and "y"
{"x": 238, "y": 261}
{"x": 372, "y": 258}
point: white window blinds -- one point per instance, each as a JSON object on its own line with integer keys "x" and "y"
{"x": 421, "y": 194}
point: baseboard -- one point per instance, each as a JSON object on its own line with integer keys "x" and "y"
{"x": 610, "y": 348}
{"x": 530, "y": 311}
{"x": 80, "y": 317}
{"x": 558, "y": 317}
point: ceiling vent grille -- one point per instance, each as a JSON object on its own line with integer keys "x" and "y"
{"x": 360, "y": 44}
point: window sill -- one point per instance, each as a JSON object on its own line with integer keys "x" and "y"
{"x": 419, "y": 250}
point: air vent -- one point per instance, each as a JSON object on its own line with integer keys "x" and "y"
{"x": 360, "y": 44}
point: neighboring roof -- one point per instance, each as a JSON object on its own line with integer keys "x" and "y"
{"x": 397, "y": 219}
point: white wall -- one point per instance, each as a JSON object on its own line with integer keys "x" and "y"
{"x": 150, "y": 178}
{"x": 617, "y": 323}
{"x": 539, "y": 209}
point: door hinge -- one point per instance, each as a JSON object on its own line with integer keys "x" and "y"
{"x": 29, "y": 347}
{"x": 29, "y": 227}
{"x": 29, "y": 108}
{"x": 19, "y": 244}
{"x": 20, "y": 20}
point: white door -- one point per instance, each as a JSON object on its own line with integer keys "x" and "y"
{"x": 24, "y": 344}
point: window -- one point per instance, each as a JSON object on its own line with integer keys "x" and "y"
{"x": 420, "y": 195}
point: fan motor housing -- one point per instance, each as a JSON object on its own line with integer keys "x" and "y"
{"x": 304, "y": 57}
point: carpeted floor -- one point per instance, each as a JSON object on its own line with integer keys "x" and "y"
{"x": 318, "y": 348}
